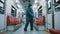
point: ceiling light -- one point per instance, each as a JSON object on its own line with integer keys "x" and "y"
{"x": 36, "y": 1}
{"x": 17, "y": 1}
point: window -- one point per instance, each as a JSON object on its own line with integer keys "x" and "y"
{"x": 57, "y": 2}
{"x": 49, "y": 7}
{"x": 13, "y": 11}
{"x": 49, "y": 4}
{"x": 58, "y": 9}
{"x": 2, "y": 1}
{"x": 57, "y": 6}
{"x": 40, "y": 11}
{"x": 1, "y": 7}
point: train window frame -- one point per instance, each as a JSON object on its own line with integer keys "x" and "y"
{"x": 2, "y": 7}
{"x": 13, "y": 11}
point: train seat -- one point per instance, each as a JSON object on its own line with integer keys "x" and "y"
{"x": 10, "y": 20}
{"x": 13, "y": 20}
{"x": 54, "y": 31}
{"x": 40, "y": 20}
{"x": 16, "y": 21}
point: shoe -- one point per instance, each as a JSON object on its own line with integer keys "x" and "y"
{"x": 31, "y": 29}
{"x": 25, "y": 29}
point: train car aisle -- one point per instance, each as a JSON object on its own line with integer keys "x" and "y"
{"x": 21, "y": 31}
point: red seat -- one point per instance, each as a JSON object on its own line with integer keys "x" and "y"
{"x": 13, "y": 20}
{"x": 36, "y": 21}
{"x": 10, "y": 20}
{"x": 40, "y": 20}
{"x": 54, "y": 31}
{"x": 16, "y": 21}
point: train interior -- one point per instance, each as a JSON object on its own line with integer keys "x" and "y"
{"x": 13, "y": 16}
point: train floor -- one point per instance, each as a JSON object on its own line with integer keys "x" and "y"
{"x": 21, "y": 31}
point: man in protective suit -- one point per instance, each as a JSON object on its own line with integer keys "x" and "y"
{"x": 29, "y": 18}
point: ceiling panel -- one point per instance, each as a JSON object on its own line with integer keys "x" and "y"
{"x": 25, "y": 3}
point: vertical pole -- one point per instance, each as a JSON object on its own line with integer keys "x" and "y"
{"x": 5, "y": 13}
{"x": 53, "y": 10}
{"x": 46, "y": 14}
